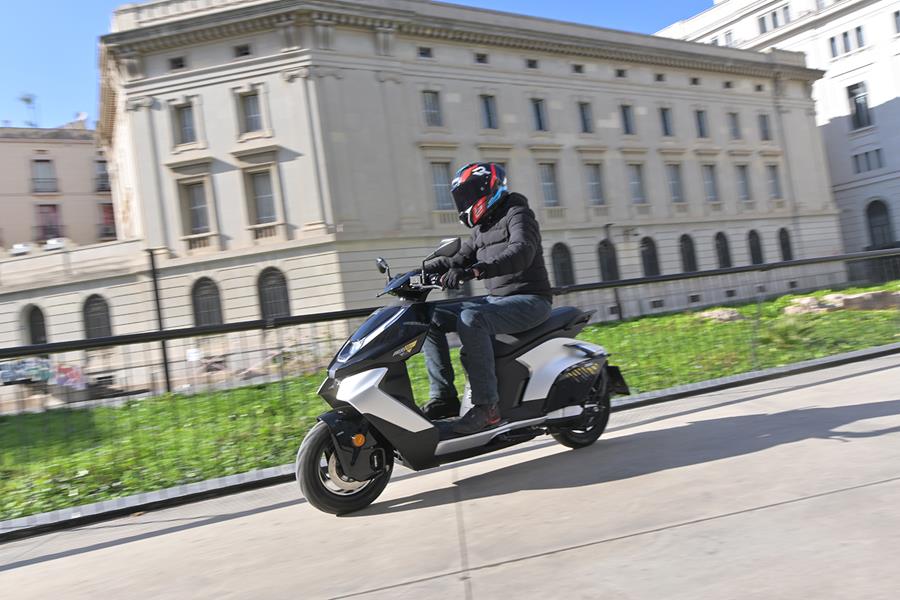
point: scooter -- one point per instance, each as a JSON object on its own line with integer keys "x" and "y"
{"x": 549, "y": 383}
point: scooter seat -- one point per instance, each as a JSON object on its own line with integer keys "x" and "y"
{"x": 560, "y": 320}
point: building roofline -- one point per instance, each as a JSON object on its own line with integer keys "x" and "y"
{"x": 40, "y": 133}
{"x": 431, "y": 19}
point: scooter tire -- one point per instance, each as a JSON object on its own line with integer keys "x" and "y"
{"x": 575, "y": 438}
{"x": 308, "y": 470}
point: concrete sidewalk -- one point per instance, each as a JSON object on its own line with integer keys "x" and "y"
{"x": 783, "y": 489}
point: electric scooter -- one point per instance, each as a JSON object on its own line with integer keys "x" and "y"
{"x": 549, "y": 383}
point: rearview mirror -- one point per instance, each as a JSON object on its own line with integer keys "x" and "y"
{"x": 383, "y": 266}
{"x": 449, "y": 247}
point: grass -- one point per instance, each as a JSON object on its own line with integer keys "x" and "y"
{"x": 70, "y": 457}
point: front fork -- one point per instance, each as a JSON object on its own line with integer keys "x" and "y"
{"x": 358, "y": 450}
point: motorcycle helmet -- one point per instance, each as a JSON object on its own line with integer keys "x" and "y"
{"x": 476, "y": 189}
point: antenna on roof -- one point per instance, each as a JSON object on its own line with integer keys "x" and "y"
{"x": 30, "y": 100}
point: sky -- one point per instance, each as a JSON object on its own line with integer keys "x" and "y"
{"x": 49, "y": 47}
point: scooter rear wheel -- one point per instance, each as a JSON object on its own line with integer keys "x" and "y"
{"x": 589, "y": 431}
{"x": 322, "y": 481}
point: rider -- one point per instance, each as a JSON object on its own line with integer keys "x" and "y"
{"x": 505, "y": 250}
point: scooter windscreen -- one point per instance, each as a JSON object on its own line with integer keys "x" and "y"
{"x": 376, "y": 324}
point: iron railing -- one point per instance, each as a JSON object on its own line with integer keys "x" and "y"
{"x": 87, "y": 420}
{"x": 44, "y": 185}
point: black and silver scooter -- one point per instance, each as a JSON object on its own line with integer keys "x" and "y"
{"x": 549, "y": 383}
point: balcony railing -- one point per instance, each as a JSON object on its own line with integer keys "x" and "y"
{"x": 106, "y": 231}
{"x": 42, "y": 233}
{"x": 101, "y": 183}
{"x": 44, "y": 185}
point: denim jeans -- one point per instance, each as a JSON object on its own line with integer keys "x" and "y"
{"x": 477, "y": 321}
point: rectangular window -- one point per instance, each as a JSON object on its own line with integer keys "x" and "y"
{"x": 765, "y": 131}
{"x": 786, "y": 13}
{"x": 531, "y": 63}
{"x": 621, "y": 73}
{"x": 762, "y": 24}
{"x": 252, "y": 114}
{"x": 263, "y": 198}
{"x": 242, "y": 51}
{"x": 43, "y": 176}
{"x": 595, "y": 184}
{"x": 431, "y": 102}
{"x": 548, "y": 184}
{"x": 540, "y": 114}
{"x": 185, "y": 131}
{"x": 897, "y": 21}
{"x": 578, "y": 69}
{"x": 734, "y": 125}
{"x": 49, "y": 225}
{"x": 586, "y": 114}
{"x": 665, "y": 118}
{"x": 440, "y": 181}
{"x": 856, "y": 164}
{"x": 636, "y": 183}
{"x": 859, "y": 106}
{"x": 102, "y": 177}
{"x": 860, "y": 40}
{"x": 627, "y": 119}
{"x": 714, "y": 41}
{"x": 198, "y": 218}
{"x": 729, "y": 39}
{"x": 176, "y": 63}
{"x": 834, "y": 47}
{"x": 846, "y": 39}
{"x": 702, "y": 131}
{"x": 878, "y": 163}
{"x": 425, "y": 52}
{"x": 676, "y": 188}
{"x": 489, "y": 112}
{"x": 710, "y": 184}
{"x": 774, "y": 181}
{"x": 743, "y": 181}
{"x": 774, "y": 19}
{"x": 481, "y": 58}
{"x": 107, "y": 229}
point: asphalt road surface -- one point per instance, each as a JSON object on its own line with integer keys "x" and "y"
{"x": 784, "y": 489}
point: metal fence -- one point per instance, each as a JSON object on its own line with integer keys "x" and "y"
{"x": 84, "y": 421}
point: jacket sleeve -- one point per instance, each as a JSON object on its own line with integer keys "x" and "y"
{"x": 523, "y": 244}
{"x": 461, "y": 260}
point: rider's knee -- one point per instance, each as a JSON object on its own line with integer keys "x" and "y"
{"x": 472, "y": 318}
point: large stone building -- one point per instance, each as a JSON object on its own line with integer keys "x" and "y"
{"x": 857, "y": 44}
{"x": 53, "y": 185}
{"x": 269, "y": 150}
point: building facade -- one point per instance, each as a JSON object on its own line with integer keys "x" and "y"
{"x": 53, "y": 185}
{"x": 268, "y": 151}
{"x": 857, "y": 44}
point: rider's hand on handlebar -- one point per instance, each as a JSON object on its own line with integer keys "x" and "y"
{"x": 454, "y": 278}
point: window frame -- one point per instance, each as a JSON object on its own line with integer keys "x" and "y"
{"x": 438, "y": 188}
{"x": 711, "y": 183}
{"x": 860, "y": 113}
{"x": 96, "y": 317}
{"x": 595, "y": 185}
{"x": 586, "y": 117}
{"x": 637, "y": 186}
{"x": 432, "y": 112}
{"x": 489, "y": 115}
{"x": 626, "y": 114}
{"x": 676, "y": 184}
{"x": 667, "y": 124}
{"x": 702, "y": 123}
{"x": 267, "y": 300}
{"x": 744, "y": 185}
{"x": 215, "y": 303}
{"x": 551, "y": 199}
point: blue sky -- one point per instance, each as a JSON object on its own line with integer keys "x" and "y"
{"x": 49, "y": 47}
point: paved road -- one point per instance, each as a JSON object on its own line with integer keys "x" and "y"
{"x": 786, "y": 489}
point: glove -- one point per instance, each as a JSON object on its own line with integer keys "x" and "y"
{"x": 454, "y": 278}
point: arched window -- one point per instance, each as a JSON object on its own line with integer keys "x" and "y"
{"x": 274, "y": 301}
{"x": 881, "y": 233}
{"x": 207, "y": 304}
{"x": 688, "y": 254}
{"x": 37, "y": 327}
{"x": 96, "y": 318}
{"x": 563, "y": 272}
{"x": 784, "y": 240}
{"x": 649, "y": 258}
{"x": 723, "y": 252}
{"x": 756, "y": 251}
{"x": 609, "y": 264}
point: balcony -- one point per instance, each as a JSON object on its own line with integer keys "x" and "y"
{"x": 44, "y": 185}
{"x": 101, "y": 183}
{"x": 42, "y": 233}
{"x": 106, "y": 232}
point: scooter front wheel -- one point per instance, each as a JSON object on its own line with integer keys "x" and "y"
{"x": 324, "y": 484}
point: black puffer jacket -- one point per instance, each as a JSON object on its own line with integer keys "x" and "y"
{"x": 508, "y": 246}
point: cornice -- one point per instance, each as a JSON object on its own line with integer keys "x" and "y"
{"x": 240, "y": 21}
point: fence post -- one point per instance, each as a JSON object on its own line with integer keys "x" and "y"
{"x": 154, "y": 274}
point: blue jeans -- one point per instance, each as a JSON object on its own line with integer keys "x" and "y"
{"x": 477, "y": 321}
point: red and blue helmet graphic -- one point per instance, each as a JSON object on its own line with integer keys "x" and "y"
{"x": 476, "y": 189}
